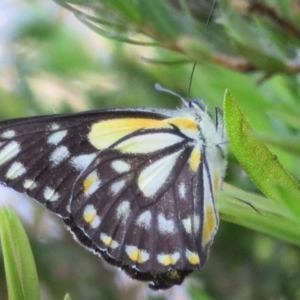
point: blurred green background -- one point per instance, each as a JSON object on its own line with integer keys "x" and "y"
{"x": 51, "y": 62}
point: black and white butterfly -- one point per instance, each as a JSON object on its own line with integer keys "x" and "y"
{"x": 134, "y": 185}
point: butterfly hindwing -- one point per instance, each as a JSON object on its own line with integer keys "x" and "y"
{"x": 134, "y": 185}
{"x": 140, "y": 234}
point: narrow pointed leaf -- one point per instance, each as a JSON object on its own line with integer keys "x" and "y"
{"x": 20, "y": 270}
{"x": 258, "y": 213}
{"x": 260, "y": 164}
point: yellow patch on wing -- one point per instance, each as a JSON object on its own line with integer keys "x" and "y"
{"x": 192, "y": 257}
{"x": 210, "y": 224}
{"x": 216, "y": 182}
{"x": 168, "y": 259}
{"x": 137, "y": 255}
{"x": 108, "y": 241}
{"x": 105, "y": 133}
{"x": 188, "y": 127}
{"x": 195, "y": 159}
{"x": 90, "y": 216}
{"x": 91, "y": 183}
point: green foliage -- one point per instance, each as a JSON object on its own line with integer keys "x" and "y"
{"x": 67, "y": 297}
{"x": 243, "y": 35}
{"x": 21, "y": 275}
{"x": 261, "y": 165}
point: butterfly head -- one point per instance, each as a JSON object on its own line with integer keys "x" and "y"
{"x": 212, "y": 130}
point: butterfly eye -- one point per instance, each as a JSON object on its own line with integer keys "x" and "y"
{"x": 133, "y": 185}
{"x": 197, "y": 104}
{"x": 222, "y": 150}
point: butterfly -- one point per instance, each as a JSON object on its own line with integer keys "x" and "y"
{"x": 135, "y": 185}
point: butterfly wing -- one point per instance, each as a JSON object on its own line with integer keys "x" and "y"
{"x": 38, "y": 152}
{"x": 132, "y": 185}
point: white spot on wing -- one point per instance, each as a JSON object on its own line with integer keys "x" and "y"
{"x": 164, "y": 225}
{"x": 154, "y": 176}
{"x": 9, "y": 152}
{"x": 144, "y": 219}
{"x": 148, "y": 143}
{"x": 29, "y": 184}
{"x": 137, "y": 255}
{"x": 116, "y": 187}
{"x": 182, "y": 190}
{"x": 187, "y": 224}
{"x": 50, "y": 194}
{"x": 8, "y": 134}
{"x": 90, "y": 216}
{"x": 192, "y": 257}
{"x": 123, "y": 210}
{"x": 91, "y": 183}
{"x": 54, "y": 126}
{"x": 120, "y": 166}
{"x": 81, "y": 162}
{"x": 108, "y": 241}
{"x": 59, "y": 155}
{"x": 56, "y": 137}
{"x": 196, "y": 223}
{"x": 168, "y": 259}
{"x": 16, "y": 169}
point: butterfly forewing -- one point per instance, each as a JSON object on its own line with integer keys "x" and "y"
{"x": 43, "y": 156}
{"x": 133, "y": 185}
{"x": 35, "y": 156}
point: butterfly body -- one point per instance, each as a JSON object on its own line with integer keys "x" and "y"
{"x": 134, "y": 185}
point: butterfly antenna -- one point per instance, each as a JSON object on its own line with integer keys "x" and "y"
{"x": 194, "y": 66}
{"x": 211, "y": 13}
{"x": 191, "y": 79}
{"x": 158, "y": 87}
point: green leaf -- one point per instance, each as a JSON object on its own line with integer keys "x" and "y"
{"x": 20, "y": 270}
{"x": 254, "y": 40}
{"x": 261, "y": 165}
{"x": 67, "y": 297}
{"x": 258, "y": 213}
{"x": 289, "y": 144}
{"x": 290, "y": 118}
